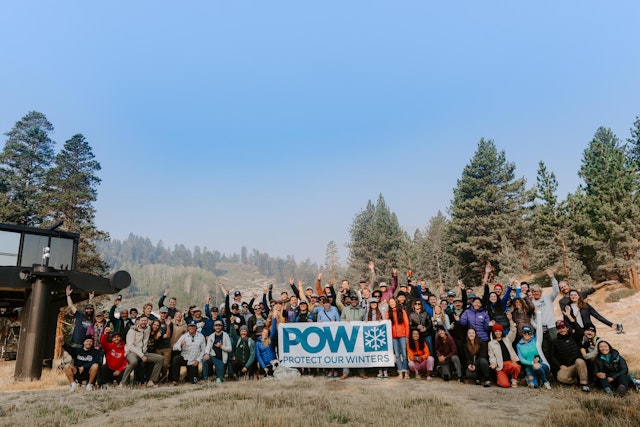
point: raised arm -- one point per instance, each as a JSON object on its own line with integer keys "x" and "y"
{"x": 70, "y": 301}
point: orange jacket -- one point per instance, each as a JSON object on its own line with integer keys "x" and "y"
{"x": 399, "y": 330}
{"x": 424, "y": 353}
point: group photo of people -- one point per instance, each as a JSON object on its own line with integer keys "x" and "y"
{"x": 505, "y": 335}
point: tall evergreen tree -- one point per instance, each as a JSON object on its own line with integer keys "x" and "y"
{"x": 72, "y": 189}
{"x": 434, "y": 262}
{"x": 546, "y": 245}
{"x": 375, "y": 236}
{"x": 24, "y": 161}
{"x": 634, "y": 144}
{"x": 332, "y": 262}
{"x": 607, "y": 208}
{"x": 488, "y": 203}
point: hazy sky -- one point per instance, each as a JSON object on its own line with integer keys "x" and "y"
{"x": 270, "y": 124}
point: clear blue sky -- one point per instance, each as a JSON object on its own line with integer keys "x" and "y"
{"x": 270, "y": 124}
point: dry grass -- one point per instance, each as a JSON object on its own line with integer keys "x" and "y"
{"x": 314, "y": 402}
{"x": 620, "y": 294}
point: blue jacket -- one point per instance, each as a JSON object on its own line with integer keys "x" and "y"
{"x": 266, "y": 353}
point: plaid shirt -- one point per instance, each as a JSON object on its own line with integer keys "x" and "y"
{"x": 194, "y": 348}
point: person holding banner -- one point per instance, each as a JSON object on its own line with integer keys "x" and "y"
{"x": 352, "y": 312}
{"x": 328, "y": 313}
{"x": 400, "y": 328}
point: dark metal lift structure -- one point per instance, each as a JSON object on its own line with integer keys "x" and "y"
{"x": 36, "y": 265}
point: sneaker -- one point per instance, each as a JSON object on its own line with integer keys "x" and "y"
{"x": 621, "y": 391}
{"x": 619, "y": 328}
{"x": 478, "y": 382}
{"x": 514, "y": 383}
{"x": 547, "y": 385}
{"x": 151, "y": 384}
{"x": 487, "y": 383}
{"x": 586, "y": 388}
{"x": 531, "y": 385}
{"x": 218, "y": 380}
{"x": 461, "y": 380}
{"x": 73, "y": 386}
{"x": 446, "y": 377}
{"x": 385, "y": 375}
{"x": 120, "y": 385}
{"x": 608, "y": 391}
{"x": 429, "y": 378}
{"x": 418, "y": 376}
{"x": 379, "y": 376}
{"x": 194, "y": 380}
{"x": 89, "y": 387}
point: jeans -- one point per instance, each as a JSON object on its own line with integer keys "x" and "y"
{"x": 400, "y": 350}
{"x": 217, "y": 364}
{"x": 536, "y": 376}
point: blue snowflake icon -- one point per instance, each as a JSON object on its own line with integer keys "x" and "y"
{"x": 375, "y": 338}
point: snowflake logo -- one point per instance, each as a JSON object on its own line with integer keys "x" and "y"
{"x": 375, "y": 338}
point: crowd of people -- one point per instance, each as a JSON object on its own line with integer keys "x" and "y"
{"x": 507, "y": 337}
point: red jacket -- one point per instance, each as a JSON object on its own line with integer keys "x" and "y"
{"x": 114, "y": 354}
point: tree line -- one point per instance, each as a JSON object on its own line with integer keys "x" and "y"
{"x": 591, "y": 235}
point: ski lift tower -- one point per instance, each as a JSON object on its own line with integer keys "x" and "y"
{"x": 36, "y": 265}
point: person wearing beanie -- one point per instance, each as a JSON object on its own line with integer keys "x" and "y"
{"x": 244, "y": 352}
{"x": 447, "y": 354}
{"x": 611, "y": 370}
{"x": 502, "y": 357}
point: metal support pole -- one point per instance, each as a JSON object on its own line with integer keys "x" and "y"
{"x": 32, "y": 336}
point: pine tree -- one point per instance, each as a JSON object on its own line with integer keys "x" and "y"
{"x": 24, "y": 161}
{"x": 434, "y": 262}
{"x": 634, "y": 144}
{"x": 606, "y": 208}
{"x": 72, "y": 190}
{"x": 375, "y": 236}
{"x": 546, "y": 246}
{"x": 332, "y": 262}
{"x": 488, "y": 203}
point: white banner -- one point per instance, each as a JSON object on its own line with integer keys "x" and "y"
{"x": 335, "y": 344}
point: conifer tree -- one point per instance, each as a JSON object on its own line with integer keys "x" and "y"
{"x": 606, "y": 208}
{"x": 375, "y": 236}
{"x": 434, "y": 262}
{"x": 72, "y": 190}
{"x": 24, "y": 161}
{"x": 488, "y": 203}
